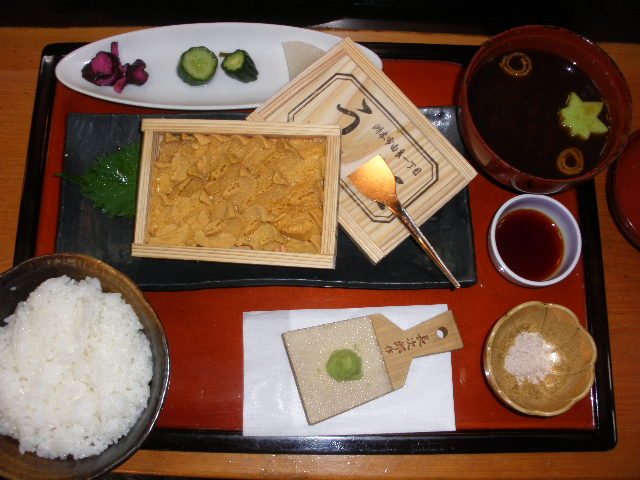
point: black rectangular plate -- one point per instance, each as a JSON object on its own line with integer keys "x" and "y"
{"x": 85, "y": 229}
{"x": 602, "y": 437}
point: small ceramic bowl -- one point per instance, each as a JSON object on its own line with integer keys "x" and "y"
{"x": 579, "y": 51}
{"x": 15, "y": 286}
{"x": 563, "y": 221}
{"x": 539, "y": 360}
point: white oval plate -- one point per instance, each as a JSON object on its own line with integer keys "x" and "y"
{"x": 160, "y": 48}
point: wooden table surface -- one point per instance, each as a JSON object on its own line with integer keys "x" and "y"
{"x": 20, "y": 49}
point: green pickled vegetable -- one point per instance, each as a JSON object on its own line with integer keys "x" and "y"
{"x": 344, "y": 365}
{"x": 240, "y": 66}
{"x": 197, "y": 65}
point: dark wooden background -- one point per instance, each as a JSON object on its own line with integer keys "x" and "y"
{"x": 599, "y": 20}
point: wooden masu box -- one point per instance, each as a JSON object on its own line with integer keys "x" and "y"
{"x": 345, "y": 88}
{"x": 153, "y": 133}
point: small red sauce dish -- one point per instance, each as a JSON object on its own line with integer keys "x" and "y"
{"x": 622, "y": 190}
{"x": 514, "y": 110}
{"x": 534, "y": 241}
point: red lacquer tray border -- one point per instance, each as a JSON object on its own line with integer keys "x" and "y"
{"x": 527, "y": 435}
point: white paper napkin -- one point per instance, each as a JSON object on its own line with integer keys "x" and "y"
{"x": 272, "y": 405}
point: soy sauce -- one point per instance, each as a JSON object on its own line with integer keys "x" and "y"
{"x": 530, "y": 243}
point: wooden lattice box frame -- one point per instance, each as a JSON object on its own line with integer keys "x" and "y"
{"x": 345, "y": 88}
{"x": 153, "y": 133}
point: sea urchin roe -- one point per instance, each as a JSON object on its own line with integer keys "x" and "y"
{"x": 236, "y": 191}
{"x": 530, "y": 358}
{"x": 344, "y": 365}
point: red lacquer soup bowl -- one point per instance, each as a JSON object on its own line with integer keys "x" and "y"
{"x": 516, "y": 123}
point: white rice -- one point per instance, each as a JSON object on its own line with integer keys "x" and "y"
{"x": 75, "y": 369}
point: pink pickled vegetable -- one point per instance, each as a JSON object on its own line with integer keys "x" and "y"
{"x": 136, "y": 73}
{"x": 105, "y": 69}
{"x": 120, "y": 84}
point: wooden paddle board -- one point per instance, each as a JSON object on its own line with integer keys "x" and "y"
{"x": 385, "y": 352}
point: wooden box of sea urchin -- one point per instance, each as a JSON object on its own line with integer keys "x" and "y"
{"x": 235, "y": 191}
{"x": 345, "y": 88}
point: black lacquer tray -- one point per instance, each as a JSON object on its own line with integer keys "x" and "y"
{"x": 601, "y": 437}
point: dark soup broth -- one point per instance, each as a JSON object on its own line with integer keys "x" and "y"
{"x": 515, "y": 100}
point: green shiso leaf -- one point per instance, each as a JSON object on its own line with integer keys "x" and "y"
{"x": 111, "y": 182}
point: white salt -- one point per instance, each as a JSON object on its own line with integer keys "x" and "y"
{"x": 530, "y": 358}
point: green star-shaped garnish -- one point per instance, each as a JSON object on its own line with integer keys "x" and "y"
{"x": 582, "y": 117}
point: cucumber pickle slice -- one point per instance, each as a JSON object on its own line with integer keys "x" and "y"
{"x": 197, "y": 65}
{"x": 240, "y": 66}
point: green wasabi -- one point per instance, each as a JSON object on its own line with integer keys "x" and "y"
{"x": 344, "y": 365}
